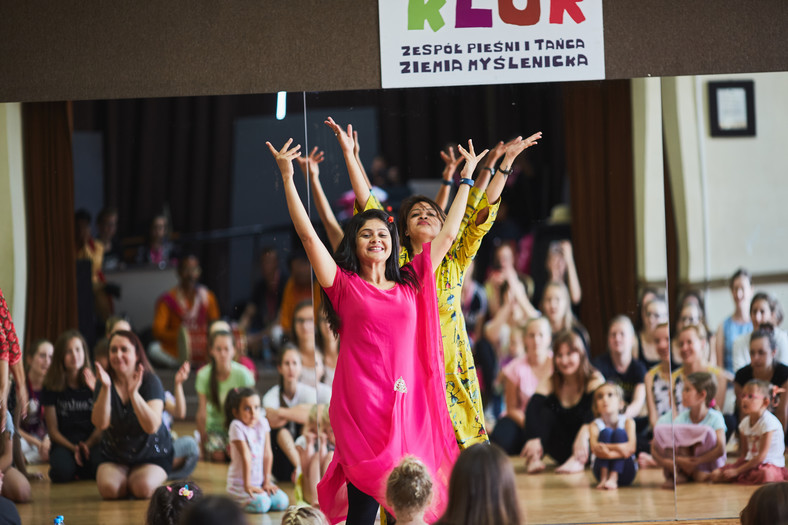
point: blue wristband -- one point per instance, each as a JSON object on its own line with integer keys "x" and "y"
{"x": 469, "y": 182}
{"x": 446, "y": 182}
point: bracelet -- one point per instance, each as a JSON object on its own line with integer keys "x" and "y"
{"x": 492, "y": 170}
{"x": 469, "y": 182}
{"x": 505, "y": 172}
{"x": 446, "y": 182}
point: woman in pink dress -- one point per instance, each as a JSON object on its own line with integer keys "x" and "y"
{"x": 388, "y": 394}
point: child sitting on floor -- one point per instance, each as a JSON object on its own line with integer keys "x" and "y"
{"x": 169, "y": 502}
{"x": 699, "y": 434}
{"x": 613, "y": 439}
{"x": 315, "y": 447}
{"x": 761, "y": 441}
{"x": 409, "y": 491}
{"x": 15, "y": 485}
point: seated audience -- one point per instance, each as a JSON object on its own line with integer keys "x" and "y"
{"x": 210, "y": 510}
{"x": 560, "y": 407}
{"x": 295, "y": 515}
{"x": 645, "y": 351}
{"x": 136, "y": 449}
{"x": 15, "y": 485}
{"x": 213, "y": 383}
{"x": 612, "y": 439}
{"x": 259, "y": 318}
{"x": 764, "y": 308}
{"x": 106, "y": 228}
{"x": 738, "y": 323}
{"x": 557, "y": 308}
{"x": 765, "y": 367}
{"x": 692, "y": 344}
{"x": 298, "y": 288}
{"x": 694, "y": 444}
{"x": 158, "y": 250}
{"x": 303, "y": 337}
{"x": 35, "y": 441}
{"x": 618, "y": 367}
{"x": 761, "y": 440}
{"x": 68, "y": 406}
{"x": 521, "y": 378}
{"x": 188, "y": 307}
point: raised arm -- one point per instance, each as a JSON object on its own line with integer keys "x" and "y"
{"x": 356, "y": 150}
{"x": 357, "y": 178}
{"x": 443, "y": 241}
{"x": 310, "y": 168}
{"x": 513, "y": 149}
{"x": 102, "y": 411}
{"x": 451, "y": 162}
{"x": 179, "y": 411}
{"x": 487, "y": 169}
{"x": 322, "y": 263}
{"x": 573, "y": 282}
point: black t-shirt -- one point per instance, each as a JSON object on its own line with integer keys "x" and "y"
{"x": 779, "y": 377}
{"x": 634, "y": 375}
{"x": 125, "y": 441}
{"x": 73, "y": 408}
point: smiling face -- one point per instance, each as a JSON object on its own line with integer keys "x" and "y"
{"x": 122, "y": 355}
{"x": 248, "y": 411}
{"x": 567, "y": 360}
{"x": 74, "y": 358}
{"x": 690, "y": 346}
{"x": 761, "y": 353}
{"x": 373, "y": 242}
{"x": 656, "y": 314}
{"x": 424, "y": 222}
{"x": 662, "y": 342}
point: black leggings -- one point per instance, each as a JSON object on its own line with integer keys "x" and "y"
{"x": 63, "y": 466}
{"x": 362, "y": 508}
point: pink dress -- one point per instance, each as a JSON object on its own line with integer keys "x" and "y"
{"x": 388, "y": 393}
{"x": 520, "y": 373}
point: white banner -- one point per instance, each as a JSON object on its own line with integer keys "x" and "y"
{"x": 464, "y": 42}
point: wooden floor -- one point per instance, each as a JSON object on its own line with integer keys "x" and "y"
{"x": 546, "y": 498}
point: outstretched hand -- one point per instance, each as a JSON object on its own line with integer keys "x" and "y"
{"x": 345, "y": 138}
{"x": 309, "y": 164}
{"x": 518, "y": 145}
{"x": 284, "y": 157}
{"x": 471, "y": 159}
{"x": 183, "y": 373}
{"x": 103, "y": 375}
{"x": 451, "y": 161}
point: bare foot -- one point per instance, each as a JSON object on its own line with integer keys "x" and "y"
{"x": 646, "y": 460}
{"x": 601, "y": 485}
{"x": 611, "y": 484}
{"x": 570, "y": 466}
{"x": 535, "y": 466}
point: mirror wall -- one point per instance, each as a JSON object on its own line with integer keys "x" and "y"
{"x": 727, "y": 195}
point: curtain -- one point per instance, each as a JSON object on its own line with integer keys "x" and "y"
{"x": 599, "y": 162}
{"x": 49, "y": 197}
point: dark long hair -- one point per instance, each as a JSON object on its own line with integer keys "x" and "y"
{"x": 402, "y": 217}
{"x": 55, "y": 378}
{"x": 169, "y": 501}
{"x": 233, "y": 401}
{"x": 482, "y": 489}
{"x": 346, "y": 258}
{"x": 213, "y": 379}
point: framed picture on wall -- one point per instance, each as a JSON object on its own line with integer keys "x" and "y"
{"x": 732, "y": 108}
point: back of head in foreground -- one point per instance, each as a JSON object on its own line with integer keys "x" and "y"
{"x": 482, "y": 489}
{"x": 409, "y": 490}
{"x": 768, "y": 504}
{"x": 303, "y": 516}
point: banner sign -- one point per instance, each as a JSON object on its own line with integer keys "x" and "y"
{"x": 463, "y": 42}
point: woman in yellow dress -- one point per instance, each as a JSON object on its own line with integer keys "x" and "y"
{"x": 420, "y": 219}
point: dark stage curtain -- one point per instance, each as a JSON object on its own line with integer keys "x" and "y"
{"x": 598, "y": 121}
{"x": 49, "y": 198}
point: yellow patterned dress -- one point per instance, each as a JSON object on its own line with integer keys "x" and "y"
{"x": 462, "y": 386}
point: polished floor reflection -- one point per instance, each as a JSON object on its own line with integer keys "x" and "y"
{"x": 547, "y": 498}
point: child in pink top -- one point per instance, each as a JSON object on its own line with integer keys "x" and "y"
{"x": 249, "y": 476}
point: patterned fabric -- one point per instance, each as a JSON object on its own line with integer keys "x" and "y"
{"x": 9, "y": 344}
{"x": 462, "y": 385}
